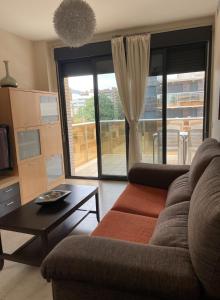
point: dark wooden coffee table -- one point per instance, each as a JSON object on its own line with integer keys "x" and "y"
{"x": 48, "y": 223}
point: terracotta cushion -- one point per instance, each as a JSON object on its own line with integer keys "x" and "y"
{"x": 142, "y": 200}
{"x": 125, "y": 226}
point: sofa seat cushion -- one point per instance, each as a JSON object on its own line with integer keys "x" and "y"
{"x": 125, "y": 226}
{"x": 204, "y": 229}
{"x": 179, "y": 191}
{"x": 172, "y": 226}
{"x": 208, "y": 150}
{"x": 141, "y": 200}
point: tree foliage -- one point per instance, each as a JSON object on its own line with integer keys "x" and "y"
{"x": 108, "y": 110}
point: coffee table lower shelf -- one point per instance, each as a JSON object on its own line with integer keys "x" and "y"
{"x": 33, "y": 251}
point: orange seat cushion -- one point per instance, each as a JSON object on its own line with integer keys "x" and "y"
{"x": 125, "y": 226}
{"x": 142, "y": 200}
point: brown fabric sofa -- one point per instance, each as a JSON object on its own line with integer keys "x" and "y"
{"x": 161, "y": 239}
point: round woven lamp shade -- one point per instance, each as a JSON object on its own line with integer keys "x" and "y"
{"x": 74, "y": 22}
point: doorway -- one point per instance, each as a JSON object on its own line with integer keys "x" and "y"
{"x": 95, "y": 121}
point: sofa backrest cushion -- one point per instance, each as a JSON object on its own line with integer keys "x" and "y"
{"x": 172, "y": 227}
{"x": 179, "y": 191}
{"x": 204, "y": 229}
{"x": 209, "y": 149}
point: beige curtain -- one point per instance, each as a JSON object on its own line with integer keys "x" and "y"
{"x": 131, "y": 76}
{"x": 120, "y": 68}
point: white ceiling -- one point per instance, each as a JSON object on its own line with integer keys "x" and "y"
{"x": 32, "y": 19}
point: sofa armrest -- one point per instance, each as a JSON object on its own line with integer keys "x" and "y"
{"x": 156, "y": 175}
{"x": 152, "y": 270}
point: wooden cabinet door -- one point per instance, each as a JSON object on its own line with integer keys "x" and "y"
{"x": 32, "y": 178}
{"x": 49, "y": 108}
{"x": 54, "y": 170}
{"x": 25, "y": 108}
{"x": 28, "y": 143}
{"x": 51, "y": 139}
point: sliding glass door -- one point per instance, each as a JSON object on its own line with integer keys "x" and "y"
{"x": 185, "y": 115}
{"x": 175, "y": 108}
{"x": 151, "y": 122}
{"x": 112, "y": 127}
{"x": 80, "y": 109}
{"x": 95, "y": 121}
{"x": 171, "y": 126}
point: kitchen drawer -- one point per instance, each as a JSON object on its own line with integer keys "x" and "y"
{"x": 9, "y": 205}
{"x": 9, "y": 192}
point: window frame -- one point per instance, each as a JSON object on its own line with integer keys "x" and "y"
{"x": 160, "y": 43}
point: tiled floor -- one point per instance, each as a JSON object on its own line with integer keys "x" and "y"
{"x": 89, "y": 168}
{"x": 114, "y": 164}
{"x": 21, "y": 282}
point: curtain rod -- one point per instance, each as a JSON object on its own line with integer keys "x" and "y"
{"x": 132, "y": 34}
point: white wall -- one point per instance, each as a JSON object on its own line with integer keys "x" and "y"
{"x": 45, "y": 67}
{"x": 30, "y": 63}
{"x": 215, "y": 131}
{"x": 40, "y": 55}
{"x": 20, "y": 53}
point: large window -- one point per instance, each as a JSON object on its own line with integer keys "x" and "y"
{"x": 184, "y": 118}
{"x": 79, "y": 95}
{"x": 112, "y": 127}
{"x": 185, "y": 112}
{"x": 175, "y": 115}
{"x": 173, "y": 123}
{"x": 151, "y": 121}
{"x": 95, "y": 120}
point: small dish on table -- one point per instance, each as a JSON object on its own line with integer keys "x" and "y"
{"x": 51, "y": 196}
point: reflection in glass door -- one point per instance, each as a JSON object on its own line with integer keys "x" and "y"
{"x": 185, "y": 116}
{"x": 112, "y": 127}
{"x": 80, "y": 110}
{"x": 150, "y": 124}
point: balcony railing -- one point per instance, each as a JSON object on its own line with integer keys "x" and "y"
{"x": 113, "y": 139}
{"x": 184, "y": 98}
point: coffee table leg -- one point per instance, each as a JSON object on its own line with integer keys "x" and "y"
{"x": 44, "y": 240}
{"x": 97, "y": 206}
{"x": 1, "y": 253}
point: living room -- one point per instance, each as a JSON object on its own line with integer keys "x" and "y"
{"x": 109, "y": 149}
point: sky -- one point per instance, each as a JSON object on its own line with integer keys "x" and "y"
{"x": 84, "y": 83}
{"x": 107, "y": 81}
